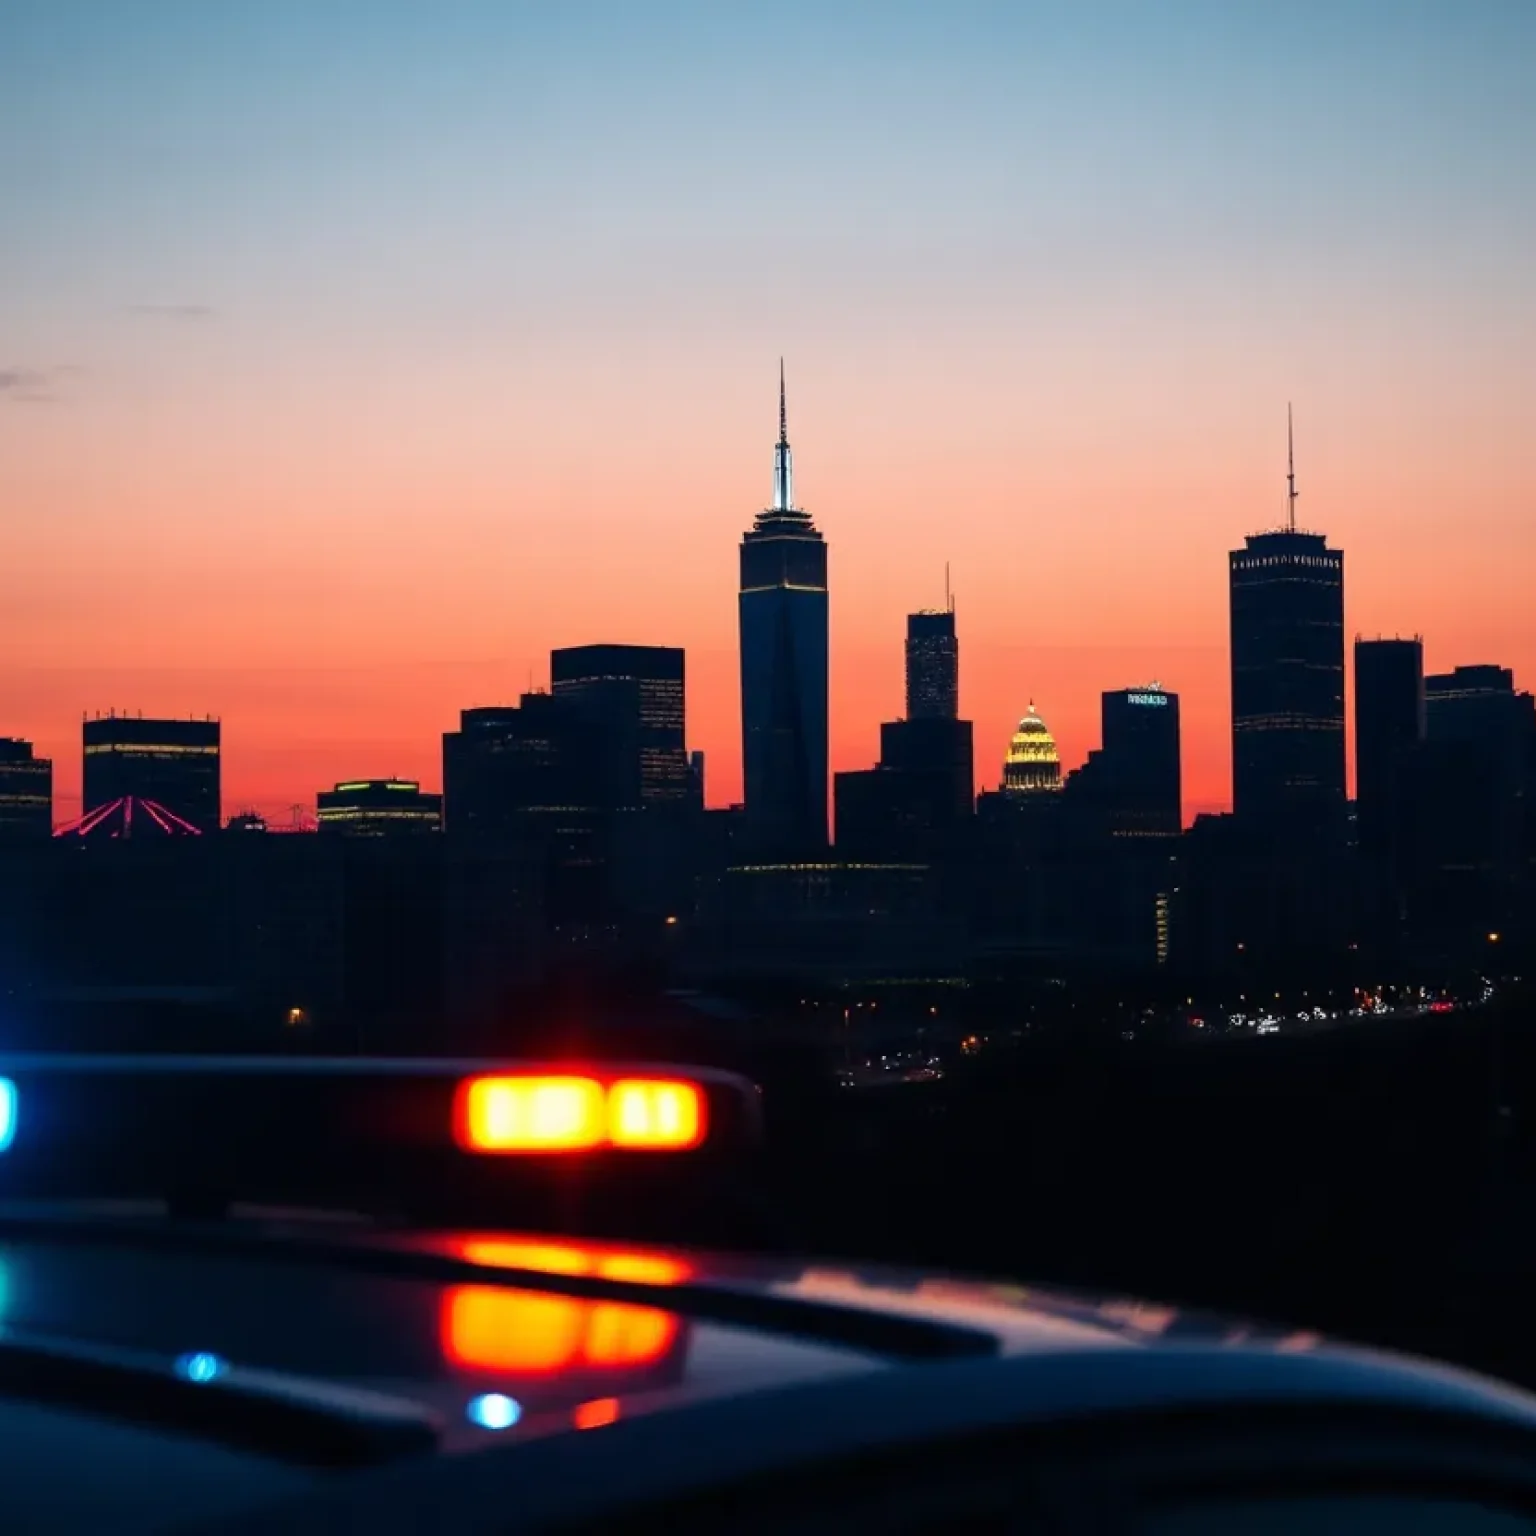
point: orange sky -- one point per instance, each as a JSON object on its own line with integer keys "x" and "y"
{"x": 338, "y": 585}
{"x": 377, "y": 356}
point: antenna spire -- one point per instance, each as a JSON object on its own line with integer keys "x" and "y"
{"x": 949, "y": 597}
{"x": 783, "y": 462}
{"x": 1290, "y": 468}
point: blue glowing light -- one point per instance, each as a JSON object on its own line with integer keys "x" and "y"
{"x": 7, "y": 1112}
{"x": 201, "y": 1367}
{"x": 493, "y": 1410}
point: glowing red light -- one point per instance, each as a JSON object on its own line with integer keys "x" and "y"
{"x": 572, "y": 1113}
{"x": 593, "y": 1415}
{"x": 637, "y": 1266}
{"x": 491, "y": 1328}
{"x": 531, "y": 1114}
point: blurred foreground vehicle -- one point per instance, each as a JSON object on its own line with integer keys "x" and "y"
{"x": 295, "y": 1296}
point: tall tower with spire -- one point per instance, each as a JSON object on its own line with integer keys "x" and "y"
{"x": 783, "y": 620}
{"x": 1287, "y": 595}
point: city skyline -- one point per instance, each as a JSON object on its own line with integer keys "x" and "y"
{"x": 989, "y": 767}
{"x": 334, "y": 453}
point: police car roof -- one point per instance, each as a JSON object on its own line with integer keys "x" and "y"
{"x": 287, "y": 1373}
{"x": 274, "y": 1371}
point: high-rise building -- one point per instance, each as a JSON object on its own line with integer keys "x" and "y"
{"x": 541, "y": 754}
{"x": 26, "y": 792}
{"x": 934, "y": 746}
{"x": 916, "y": 802}
{"x": 1141, "y": 761}
{"x": 1481, "y": 745}
{"x": 634, "y": 695}
{"x": 1389, "y": 729}
{"x": 933, "y": 666}
{"x": 1287, "y": 597}
{"x": 528, "y": 781}
{"x": 1478, "y": 703}
{"x": 933, "y": 740}
{"x": 378, "y": 808}
{"x": 1121, "y": 820}
{"x": 783, "y": 619}
{"x": 172, "y": 765}
{"x": 887, "y": 813}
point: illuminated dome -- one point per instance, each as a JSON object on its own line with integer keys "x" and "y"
{"x": 1033, "y": 764}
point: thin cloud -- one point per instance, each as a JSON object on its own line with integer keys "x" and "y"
{"x": 23, "y": 384}
{"x": 173, "y": 311}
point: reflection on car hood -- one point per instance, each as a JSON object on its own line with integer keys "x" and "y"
{"x": 1020, "y": 1317}
{"x": 526, "y": 1335}
{"x": 490, "y": 1358}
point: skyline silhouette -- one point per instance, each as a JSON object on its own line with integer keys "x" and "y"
{"x": 989, "y": 773}
{"x": 348, "y": 370}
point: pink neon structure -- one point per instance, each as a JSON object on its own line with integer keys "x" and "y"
{"x": 115, "y": 819}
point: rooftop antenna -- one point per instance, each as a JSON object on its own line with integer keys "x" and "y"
{"x": 1290, "y": 467}
{"x": 783, "y": 463}
{"x": 949, "y": 597}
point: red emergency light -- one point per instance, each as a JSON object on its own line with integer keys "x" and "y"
{"x": 530, "y": 1112}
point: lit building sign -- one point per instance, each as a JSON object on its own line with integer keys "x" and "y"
{"x": 1148, "y": 700}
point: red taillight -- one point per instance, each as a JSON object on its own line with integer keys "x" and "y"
{"x": 538, "y": 1113}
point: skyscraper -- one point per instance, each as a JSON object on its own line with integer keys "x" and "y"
{"x": 505, "y": 761}
{"x": 26, "y": 791}
{"x": 916, "y": 802}
{"x": 1140, "y": 761}
{"x": 933, "y": 666}
{"x": 528, "y": 781}
{"x": 1481, "y": 738}
{"x": 783, "y": 618}
{"x": 1389, "y": 728}
{"x": 933, "y": 739}
{"x": 634, "y": 695}
{"x": 1287, "y": 596}
{"x": 171, "y": 764}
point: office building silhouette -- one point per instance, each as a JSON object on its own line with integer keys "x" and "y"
{"x": 26, "y": 792}
{"x": 634, "y": 696}
{"x": 170, "y": 764}
{"x": 1287, "y": 629}
{"x": 783, "y": 628}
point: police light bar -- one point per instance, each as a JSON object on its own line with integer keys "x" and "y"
{"x": 416, "y": 1136}
{"x": 530, "y": 1112}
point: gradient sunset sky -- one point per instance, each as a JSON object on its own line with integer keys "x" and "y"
{"x": 354, "y": 354}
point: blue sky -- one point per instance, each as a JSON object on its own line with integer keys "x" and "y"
{"x": 448, "y": 332}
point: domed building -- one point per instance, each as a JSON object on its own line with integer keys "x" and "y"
{"x": 1033, "y": 764}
